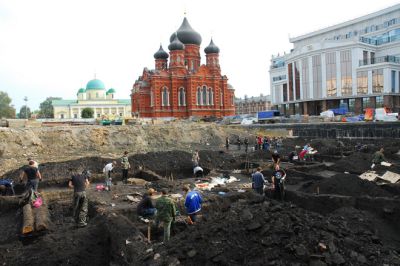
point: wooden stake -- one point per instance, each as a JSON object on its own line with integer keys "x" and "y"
{"x": 149, "y": 231}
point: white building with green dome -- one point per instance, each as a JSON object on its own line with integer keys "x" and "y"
{"x": 95, "y": 96}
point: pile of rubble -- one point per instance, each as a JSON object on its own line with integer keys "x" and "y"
{"x": 243, "y": 229}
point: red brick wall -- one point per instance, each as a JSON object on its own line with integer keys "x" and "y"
{"x": 178, "y": 75}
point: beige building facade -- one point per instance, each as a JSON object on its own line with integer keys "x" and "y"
{"x": 95, "y": 96}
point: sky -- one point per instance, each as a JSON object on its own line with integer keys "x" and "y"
{"x": 54, "y": 47}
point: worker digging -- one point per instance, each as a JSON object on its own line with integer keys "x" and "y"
{"x": 262, "y": 207}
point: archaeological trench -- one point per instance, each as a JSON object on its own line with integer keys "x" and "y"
{"x": 330, "y": 216}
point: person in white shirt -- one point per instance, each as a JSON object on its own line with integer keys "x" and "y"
{"x": 107, "y": 170}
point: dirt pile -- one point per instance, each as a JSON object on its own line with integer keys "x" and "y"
{"x": 356, "y": 163}
{"x": 250, "y": 231}
{"x": 347, "y": 185}
{"x": 66, "y": 143}
{"x": 109, "y": 238}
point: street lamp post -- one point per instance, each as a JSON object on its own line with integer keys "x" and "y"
{"x": 26, "y": 107}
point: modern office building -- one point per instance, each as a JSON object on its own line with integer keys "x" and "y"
{"x": 95, "y": 96}
{"x": 183, "y": 87}
{"x": 252, "y": 105}
{"x": 355, "y": 63}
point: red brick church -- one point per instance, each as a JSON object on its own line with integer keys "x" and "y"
{"x": 183, "y": 87}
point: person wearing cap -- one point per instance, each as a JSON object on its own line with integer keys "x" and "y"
{"x": 258, "y": 181}
{"x": 193, "y": 202}
{"x": 125, "y": 167}
{"x": 166, "y": 212}
{"x": 145, "y": 207}
{"x": 107, "y": 170}
{"x": 278, "y": 179}
{"x": 32, "y": 175}
{"x": 79, "y": 183}
{"x": 35, "y": 163}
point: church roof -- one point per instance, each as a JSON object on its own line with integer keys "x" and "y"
{"x": 186, "y": 34}
{"x": 161, "y": 54}
{"x": 176, "y": 44}
{"x": 111, "y": 91}
{"x": 95, "y": 84}
{"x": 211, "y": 48}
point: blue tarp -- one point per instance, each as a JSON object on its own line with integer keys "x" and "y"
{"x": 267, "y": 114}
{"x": 356, "y": 118}
{"x": 339, "y": 111}
{"x": 6, "y": 182}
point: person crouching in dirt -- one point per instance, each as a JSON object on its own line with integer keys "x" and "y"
{"x": 258, "y": 181}
{"x": 145, "y": 207}
{"x": 32, "y": 175}
{"x": 278, "y": 180}
{"x": 79, "y": 183}
{"x": 227, "y": 143}
{"x": 125, "y": 167}
{"x": 193, "y": 202}
{"x": 166, "y": 212}
{"x": 198, "y": 172}
{"x": 378, "y": 158}
{"x": 107, "y": 170}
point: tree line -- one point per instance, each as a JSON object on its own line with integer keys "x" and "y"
{"x": 46, "y": 109}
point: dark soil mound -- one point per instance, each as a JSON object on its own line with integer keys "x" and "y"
{"x": 348, "y": 185}
{"x": 218, "y": 159}
{"x": 253, "y": 232}
{"x": 356, "y": 163}
{"x": 179, "y": 163}
{"x": 58, "y": 172}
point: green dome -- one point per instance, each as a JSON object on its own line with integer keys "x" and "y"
{"x": 111, "y": 91}
{"x": 95, "y": 84}
{"x": 81, "y": 90}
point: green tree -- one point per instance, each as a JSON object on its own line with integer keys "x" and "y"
{"x": 87, "y": 112}
{"x": 24, "y": 112}
{"x": 6, "y": 109}
{"x": 46, "y": 107}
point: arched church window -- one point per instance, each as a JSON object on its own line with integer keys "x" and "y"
{"x": 222, "y": 99}
{"x": 165, "y": 96}
{"x": 151, "y": 99}
{"x": 178, "y": 59}
{"x": 204, "y": 95}
{"x": 211, "y": 97}
{"x": 182, "y": 97}
{"x": 198, "y": 96}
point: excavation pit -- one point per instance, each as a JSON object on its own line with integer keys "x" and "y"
{"x": 235, "y": 228}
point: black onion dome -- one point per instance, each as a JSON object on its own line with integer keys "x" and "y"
{"x": 161, "y": 54}
{"x": 186, "y": 34}
{"x": 176, "y": 44}
{"x": 211, "y": 48}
